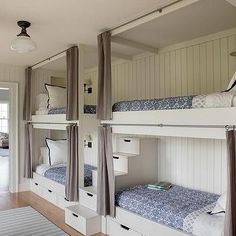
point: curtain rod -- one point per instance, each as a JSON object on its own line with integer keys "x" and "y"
{"x": 44, "y": 123}
{"x": 159, "y": 10}
{"x": 180, "y": 126}
{"x": 49, "y": 59}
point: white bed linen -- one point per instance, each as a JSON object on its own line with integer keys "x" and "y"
{"x": 209, "y": 225}
{"x": 42, "y": 112}
{"x": 41, "y": 169}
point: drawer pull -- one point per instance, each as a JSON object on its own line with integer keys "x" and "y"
{"x": 124, "y": 227}
{"x": 36, "y": 184}
{"x": 90, "y": 194}
{"x": 114, "y": 157}
{"x": 49, "y": 190}
{"x": 66, "y": 199}
{"x": 75, "y": 215}
{"x": 127, "y": 140}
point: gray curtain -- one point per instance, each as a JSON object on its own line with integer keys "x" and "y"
{"x": 27, "y": 98}
{"x": 72, "y": 59}
{"x": 230, "y": 215}
{"x": 72, "y": 170}
{"x": 106, "y": 178}
{"x": 104, "y": 99}
{"x": 28, "y": 162}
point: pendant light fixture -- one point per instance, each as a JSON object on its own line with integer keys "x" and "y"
{"x": 23, "y": 43}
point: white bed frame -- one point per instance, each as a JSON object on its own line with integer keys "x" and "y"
{"x": 128, "y": 223}
{"x": 193, "y": 123}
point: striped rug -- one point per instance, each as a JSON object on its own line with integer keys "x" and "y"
{"x": 25, "y": 221}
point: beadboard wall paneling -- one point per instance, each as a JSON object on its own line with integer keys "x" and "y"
{"x": 193, "y": 163}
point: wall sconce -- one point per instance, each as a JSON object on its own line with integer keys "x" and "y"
{"x": 88, "y": 86}
{"x": 88, "y": 141}
{"x": 233, "y": 54}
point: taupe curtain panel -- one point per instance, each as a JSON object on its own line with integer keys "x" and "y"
{"x": 230, "y": 214}
{"x": 27, "y": 98}
{"x": 28, "y": 162}
{"x": 104, "y": 99}
{"x": 72, "y": 170}
{"x": 106, "y": 178}
{"x": 72, "y": 59}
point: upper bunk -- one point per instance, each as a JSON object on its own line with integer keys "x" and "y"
{"x": 176, "y": 89}
{"x": 50, "y": 95}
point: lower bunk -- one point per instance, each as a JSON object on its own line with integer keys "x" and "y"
{"x": 178, "y": 211}
{"x": 49, "y": 183}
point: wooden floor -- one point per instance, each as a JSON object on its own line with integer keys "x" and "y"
{"x": 51, "y": 212}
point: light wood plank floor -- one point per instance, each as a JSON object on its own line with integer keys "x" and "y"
{"x": 51, "y": 212}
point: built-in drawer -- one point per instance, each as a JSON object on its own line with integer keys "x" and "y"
{"x": 62, "y": 202}
{"x": 50, "y": 196}
{"x": 128, "y": 145}
{"x": 116, "y": 229}
{"x": 37, "y": 188}
{"x": 82, "y": 219}
{"x": 88, "y": 199}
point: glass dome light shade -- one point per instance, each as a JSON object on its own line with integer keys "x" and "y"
{"x": 23, "y": 44}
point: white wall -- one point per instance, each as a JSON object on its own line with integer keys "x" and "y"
{"x": 195, "y": 67}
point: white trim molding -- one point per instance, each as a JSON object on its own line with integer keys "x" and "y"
{"x": 13, "y": 135}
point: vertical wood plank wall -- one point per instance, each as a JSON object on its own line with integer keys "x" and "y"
{"x": 196, "y": 67}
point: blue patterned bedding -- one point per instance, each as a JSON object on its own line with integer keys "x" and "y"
{"x": 58, "y": 174}
{"x": 88, "y": 109}
{"x": 170, "y": 207}
{"x": 184, "y": 102}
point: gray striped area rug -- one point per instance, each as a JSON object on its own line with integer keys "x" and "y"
{"x": 26, "y": 221}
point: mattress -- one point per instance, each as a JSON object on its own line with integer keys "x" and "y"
{"x": 215, "y": 100}
{"x": 57, "y": 173}
{"x": 88, "y": 109}
{"x": 177, "y": 207}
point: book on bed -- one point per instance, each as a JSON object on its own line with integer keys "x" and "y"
{"x": 161, "y": 186}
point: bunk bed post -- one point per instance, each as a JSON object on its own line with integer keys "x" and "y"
{"x": 81, "y": 113}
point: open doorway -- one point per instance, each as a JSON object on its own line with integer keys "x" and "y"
{"x": 4, "y": 139}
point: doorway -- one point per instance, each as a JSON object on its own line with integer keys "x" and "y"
{"x": 9, "y": 179}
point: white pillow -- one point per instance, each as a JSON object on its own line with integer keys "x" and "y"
{"x": 57, "y": 151}
{"x": 42, "y": 101}
{"x": 220, "y": 205}
{"x": 232, "y": 82}
{"x": 57, "y": 96}
{"x": 44, "y": 155}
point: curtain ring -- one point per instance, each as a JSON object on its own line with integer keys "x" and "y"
{"x": 227, "y": 127}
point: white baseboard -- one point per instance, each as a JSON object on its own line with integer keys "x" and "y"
{"x": 24, "y": 186}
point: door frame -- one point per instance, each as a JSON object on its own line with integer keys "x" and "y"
{"x": 13, "y": 135}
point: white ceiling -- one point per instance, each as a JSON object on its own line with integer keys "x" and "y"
{"x": 196, "y": 20}
{"x": 58, "y": 24}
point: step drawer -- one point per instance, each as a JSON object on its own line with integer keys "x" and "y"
{"x": 120, "y": 164}
{"x": 128, "y": 145}
{"x": 117, "y": 229}
{"x": 88, "y": 199}
{"x": 82, "y": 219}
{"x": 62, "y": 202}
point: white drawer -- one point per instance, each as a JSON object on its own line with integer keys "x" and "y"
{"x": 120, "y": 164}
{"x": 62, "y": 202}
{"x": 128, "y": 145}
{"x": 50, "y": 196}
{"x": 88, "y": 199}
{"x": 36, "y": 188}
{"x": 82, "y": 219}
{"x": 116, "y": 229}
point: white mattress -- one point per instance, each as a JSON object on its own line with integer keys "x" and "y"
{"x": 42, "y": 112}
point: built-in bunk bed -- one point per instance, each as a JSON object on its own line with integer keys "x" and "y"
{"x": 57, "y": 168}
{"x": 178, "y": 211}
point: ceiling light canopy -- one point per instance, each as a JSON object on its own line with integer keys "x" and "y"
{"x": 23, "y": 43}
